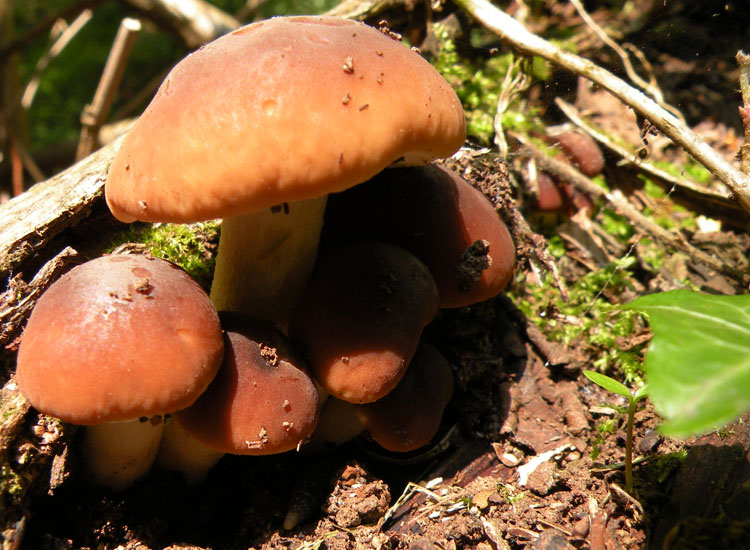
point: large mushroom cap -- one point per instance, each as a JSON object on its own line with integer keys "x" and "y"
{"x": 117, "y": 338}
{"x": 281, "y": 110}
{"x": 262, "y": 401}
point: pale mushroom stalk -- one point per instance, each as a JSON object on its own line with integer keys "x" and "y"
{"x": 181, "y": 453}
{"x": 265, "y": 259}
{"x": 117, "y": 454}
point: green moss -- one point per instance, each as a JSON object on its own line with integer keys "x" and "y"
{"x": 587, "y": 318}
{"x": 479, "y": 82}
{"x": 191, "y": 246}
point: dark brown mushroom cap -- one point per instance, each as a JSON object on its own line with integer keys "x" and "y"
{"x": 439, "y": 217}
{"x": 281, "y": 110}
{"x": 549, "y": 196}
{"x": 117, "y": 338}
{"x": 360, "y": 320}
{"x": 409, "y": 416}
{"x": 582, "y": 152}
{"x": 262, "y": 401}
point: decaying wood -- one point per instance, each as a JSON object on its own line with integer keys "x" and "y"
{"x": 29, "y": 221}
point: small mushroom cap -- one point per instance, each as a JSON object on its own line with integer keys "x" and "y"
{"x": 549, "y": 196}
{"x": 360, "y": 320}
{"x": 440, "y": 218}
{"x": 118, "y": 338}
{"x": 409, "y": 416}
{"x": 262, "y": 401}
{"x": 281, "y": 110}
{"x": 582, "y": 152}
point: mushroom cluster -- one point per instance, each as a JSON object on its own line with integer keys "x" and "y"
{"x": 259, "y": 128}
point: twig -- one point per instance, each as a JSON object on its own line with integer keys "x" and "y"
{"x": 96, "y": 112}
{"x": 651, "y": 87}
{"x": 57, "y": 47}
{"x": 743, "y": 60}
{"x": 46, "y": 24}
{"x": 528, "y": 43}
{"x": 566, "y": 172}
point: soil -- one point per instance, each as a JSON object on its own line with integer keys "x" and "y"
{"x": 530, "y": 452}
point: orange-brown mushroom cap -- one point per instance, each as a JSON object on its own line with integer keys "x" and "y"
{"x": 409, "y": 416}
{"x": 117, "y": 338}
{"x": 262, "y": 401}
{"x": 281, "y": 110}
{"x": 360, "y": 320}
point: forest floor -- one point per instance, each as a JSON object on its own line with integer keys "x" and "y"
{"x": 530, "y": 453}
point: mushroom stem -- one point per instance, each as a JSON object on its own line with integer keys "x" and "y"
{"x": 265, "y": 259}
{"x": 181, "y": 453}
{"x": 116, "y": 454}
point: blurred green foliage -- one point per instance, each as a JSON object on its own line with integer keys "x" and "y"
{"x": 70, "y": 81}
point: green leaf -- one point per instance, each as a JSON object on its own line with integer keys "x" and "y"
{"x": 698, "y": 363}
{"x": 607, "y": 383}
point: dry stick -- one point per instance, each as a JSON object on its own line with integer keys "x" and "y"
{"x": 44, "y": 61}
{"x": 45, "y": 25}
{"x": 651, "y": 87}
{"x": 94, "y": 114}
{"x": 566, "y": 172}
{"x": 743, "y": 60}
{"x": 512, "y": 32}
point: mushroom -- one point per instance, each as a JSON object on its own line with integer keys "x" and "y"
{"x": 440, "y": 218}
{"x": 360, "y": 320}
{"x": 581, "y": 151}
{"x": 112, "y": 345}
{"x": 409, "y": 416}
{"x": 260, "y": 125}
{"x": 261, "y": 402}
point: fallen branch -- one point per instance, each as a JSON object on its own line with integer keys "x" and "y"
{"x": 95, "y": 113}
{"x": 512, "y": 32}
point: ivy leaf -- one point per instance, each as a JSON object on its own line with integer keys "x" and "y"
{"x": 698, "y": 363}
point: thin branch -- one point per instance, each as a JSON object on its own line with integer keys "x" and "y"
{"x": 651, "y": 87}
{"x": 96, "y": 112}
{"x": 528, "y": 43}
{"x": 45, "y": 25}
{"x": 59, "y": 45}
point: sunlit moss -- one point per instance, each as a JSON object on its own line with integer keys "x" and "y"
{"x": 191, "y": 246}
{"x": 479, "y": 82}
{"x": 588, "y": 318}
